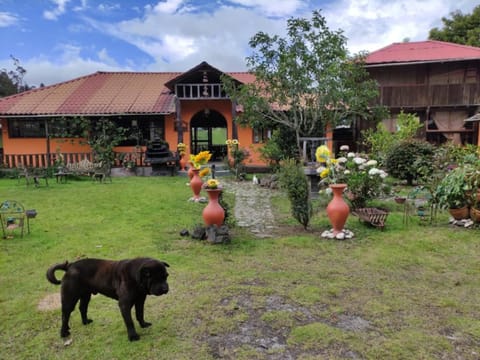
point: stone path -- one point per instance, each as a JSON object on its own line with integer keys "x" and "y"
{"x": 253, "y": 209}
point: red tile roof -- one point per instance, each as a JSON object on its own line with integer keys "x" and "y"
{"x": 422, "y": 51}
{"x": 101, "y": 93}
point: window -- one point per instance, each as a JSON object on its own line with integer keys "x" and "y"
{"x": 261, "y": 135}
{"x": 26, "y": 128}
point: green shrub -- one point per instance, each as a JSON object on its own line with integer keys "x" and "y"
{"x": 282, "y": 145}
{"x": 406, "y": 158}
{"x": 294, "y": 181}
{"x": 380, "y": 140}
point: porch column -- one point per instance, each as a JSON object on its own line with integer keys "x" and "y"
{"x": 47, "y": 138}
{"x": 234, "y": 123}
{"x": 178, "y": 120}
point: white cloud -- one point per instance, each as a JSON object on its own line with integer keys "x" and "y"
{"x": 7, "y": 19}
{"x": 177, "y": 37}
{"x": 59, "y": 10}
{"x": 104, "y": 57}
{"x": 274, "y": 8}
{"x": 106, "y": 8}
{"x": 168, "y": 6}
{"x": 372, "y": 24}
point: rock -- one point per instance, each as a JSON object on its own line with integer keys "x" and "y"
{"x": 199, "y": 232}
{"x": 344, "y": 234}
{"x": 218, "y": 235}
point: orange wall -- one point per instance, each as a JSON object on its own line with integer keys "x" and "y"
{"x": 189, "y": 108}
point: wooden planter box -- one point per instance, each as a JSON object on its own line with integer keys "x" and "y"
{"x": 373, "y": 216}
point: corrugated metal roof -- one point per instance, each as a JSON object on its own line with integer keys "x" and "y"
{"x": 422, "y": 51}
{"x": 101, "y": 93}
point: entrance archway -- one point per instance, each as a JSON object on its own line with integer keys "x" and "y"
{"x": 208, "y": 129}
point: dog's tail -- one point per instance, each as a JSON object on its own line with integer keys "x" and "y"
{"x": 51, "y": 272}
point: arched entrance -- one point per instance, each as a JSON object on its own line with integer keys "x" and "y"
{"x": 208, "y": 129}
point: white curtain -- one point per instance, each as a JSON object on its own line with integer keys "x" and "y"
{"x": 450, "y": 121}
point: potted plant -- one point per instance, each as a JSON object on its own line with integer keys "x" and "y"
{"x": 451, "y": 193}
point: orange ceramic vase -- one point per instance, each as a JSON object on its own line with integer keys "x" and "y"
{"x": 182, "y": 162}
{"x": 213, "y": 213}
{"x": 190, "y": 170}
{"x": 338, "y": 209}
{"x": 196, "y": 184}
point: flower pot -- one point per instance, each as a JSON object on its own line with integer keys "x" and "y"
{"x": 459, "y": 214}
{"x": 196, "y": 184}
{"x": 338, "y": 209}
{"x": 400, "y": 200}
{"x": 213, "y": 213}
{"x": 475, "y": 214}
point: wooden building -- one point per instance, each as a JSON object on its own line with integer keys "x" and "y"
{"x": 438, "y": 81}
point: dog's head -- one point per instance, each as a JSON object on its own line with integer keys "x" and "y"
{"x": 152, "y": 275}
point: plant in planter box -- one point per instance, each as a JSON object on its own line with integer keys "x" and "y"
{"x": 472, "y": 178}
{"x": 451, "y": 192}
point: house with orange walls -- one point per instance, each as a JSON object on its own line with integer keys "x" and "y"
{"x": 189, "y": 107}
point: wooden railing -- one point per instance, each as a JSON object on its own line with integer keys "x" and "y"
{"x": 42, "y": 161}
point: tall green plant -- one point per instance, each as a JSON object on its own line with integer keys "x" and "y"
{"x": 294, "y": 181}
{"x": 280, "y": 146}
{"x": 380, "y": 141}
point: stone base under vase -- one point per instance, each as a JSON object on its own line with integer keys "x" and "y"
{"x": 200, "y": 199}
{"x": 342, "y": 235}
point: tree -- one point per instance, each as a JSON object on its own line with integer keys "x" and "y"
{"x": 7, "y": 87}
{"x": 305, "y": 81}
{"x": 460, "y": 29}
{"x": 102, "y": 134}
{"x": 11, "y": 82}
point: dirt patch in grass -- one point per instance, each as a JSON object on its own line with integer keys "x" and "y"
{"x": 267, "y": 327}
{"x": 50, "y": 302}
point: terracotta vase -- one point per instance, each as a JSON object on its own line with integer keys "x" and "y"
{"x": 338, "y": 209}
{"x": 196, "y": 184}
{"x": 190, "y": 170}
{"x": 182, "y": 162}
{"x": 213, "y": 213}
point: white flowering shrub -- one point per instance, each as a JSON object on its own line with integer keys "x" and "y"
{"x": 365, "y": 180}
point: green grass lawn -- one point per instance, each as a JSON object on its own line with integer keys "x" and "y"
{"x": 408, "y": 292}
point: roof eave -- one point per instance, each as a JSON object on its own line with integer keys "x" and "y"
{"x": 6, "y": 116}
{"x": 415, "y": 62}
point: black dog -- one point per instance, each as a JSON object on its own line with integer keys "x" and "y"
{"x": 128, "y": 281}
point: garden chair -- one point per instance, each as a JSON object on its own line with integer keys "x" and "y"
{"x": 102, "y": 172}
{"x": 12, "y": 217}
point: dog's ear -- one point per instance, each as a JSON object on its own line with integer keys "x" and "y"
{"x": 142, "y": 274}
{"x": 165, "y": 264}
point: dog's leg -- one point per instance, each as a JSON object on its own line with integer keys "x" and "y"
{"x": 139, "y": 306}
{"x": 83, "y": 307}
{"x": 68, "y": 305}
{"x": 126, "y": 310}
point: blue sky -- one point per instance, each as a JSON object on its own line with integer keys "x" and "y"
{"x": 57, "y": 40}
